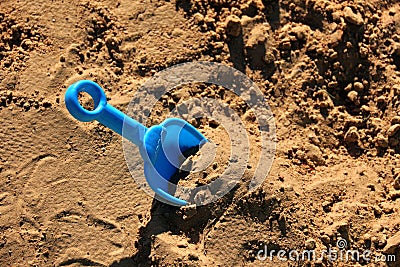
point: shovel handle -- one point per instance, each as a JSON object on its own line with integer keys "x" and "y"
{"x": 102, "y": 112}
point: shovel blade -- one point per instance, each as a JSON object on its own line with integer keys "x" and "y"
{"x": 165, "y": 146}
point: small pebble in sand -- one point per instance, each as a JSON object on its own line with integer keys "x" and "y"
{"x": 352, "y": 17}
{"x": 359, "y": 87}
{"x": 353, "y": 96}
{"x": 198, "y": 18}
{"x": 325, "y": 239}
{"x": 182, "y": 244}
{"x": 233, "y": 26}
{"x": 314, "y": 154}
{"x": 352, "y": 135}
{"x": 27, "y": 106}
{"x": 393, "y": 130}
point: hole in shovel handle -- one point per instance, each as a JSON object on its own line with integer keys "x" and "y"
{"x": 75, "y": 108}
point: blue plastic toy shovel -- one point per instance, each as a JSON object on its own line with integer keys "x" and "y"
{"x": 161, "y": 146}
